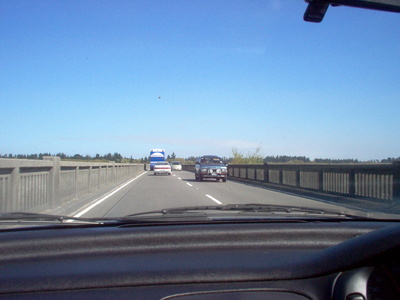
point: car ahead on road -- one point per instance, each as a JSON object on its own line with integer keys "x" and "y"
{"x": 176, "y": 166}
{"x": 162, "y": 167}
{"x": 210, "y": 166}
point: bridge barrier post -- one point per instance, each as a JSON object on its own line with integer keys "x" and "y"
{"x": 280, "y": 175}
{"x": 99, "y": 178}
{"x": 106, "y": 176}
{"x": 54, "y": 181}
{"x": 90, "y": 175}
{"x": 76, "y": 181}
{"x": 297, "y": 177}
{"x": 352, "y": 182}
{"x": 113, "y": 174}
{"x": 396, "y": 180}
{"x": 266, "y": 172}
{"x": 14, "y": 202}
{"x": 321, "y": 180}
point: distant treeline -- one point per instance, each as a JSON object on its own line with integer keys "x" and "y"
{"x": 303, "y": 159}
{"x": 117, "y": 157}
{"x": 354, "y": 161}
{"x": 287, "y": 159}
{"x": 390, "y": 160}
{"x": 337, "y": 161}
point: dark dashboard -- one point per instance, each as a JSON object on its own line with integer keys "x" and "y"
{"x": 299, "y": 260}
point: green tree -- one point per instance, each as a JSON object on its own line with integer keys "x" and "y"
{"x": 117, "y": 157}
{"x": 61, "y": 155}
{"x": 77, "y": 156}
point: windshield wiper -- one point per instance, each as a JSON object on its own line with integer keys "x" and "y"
{"x": 259, "y": 210}
{"x": 200, "y": 213}
{"x": 26, "y": 217}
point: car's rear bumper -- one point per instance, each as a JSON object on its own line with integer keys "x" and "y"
{"x": 213, "y": 176}
{"x": 162, "y": 171}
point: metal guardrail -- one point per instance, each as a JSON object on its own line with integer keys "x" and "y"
{"x": 378, "y": 181}
{"x": 37, "y": 185}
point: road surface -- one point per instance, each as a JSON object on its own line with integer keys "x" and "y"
{"x": 148, "y": 192}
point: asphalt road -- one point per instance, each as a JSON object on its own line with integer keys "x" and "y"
{"x": 149, "y": 192}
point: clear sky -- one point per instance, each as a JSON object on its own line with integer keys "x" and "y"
{"x": 198, "y": 77}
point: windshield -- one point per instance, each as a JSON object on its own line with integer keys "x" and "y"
{"x": 298, "y": 114}
{"x": 211, "y": 160}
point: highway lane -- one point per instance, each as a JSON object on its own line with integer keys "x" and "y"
{"x": 149, "y": 192}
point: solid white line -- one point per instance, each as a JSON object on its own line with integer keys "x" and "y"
{"x": 188, "y": 184}
{"x": 213, "y": 199}
{"x": 105, "y": 197}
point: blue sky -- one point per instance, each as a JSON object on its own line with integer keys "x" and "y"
{"x": 198, "y": 77}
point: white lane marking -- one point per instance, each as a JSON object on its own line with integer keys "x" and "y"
{"x": 213, "y": 199}
{"x": 188, "y": 184}
{"x": 105, "y": 197}
{"x": 179, "y": 178}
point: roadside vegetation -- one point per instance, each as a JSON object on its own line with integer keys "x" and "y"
{"x": 247, "y": 158}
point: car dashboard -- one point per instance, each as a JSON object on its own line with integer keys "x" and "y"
{"x": 241, "y": 260}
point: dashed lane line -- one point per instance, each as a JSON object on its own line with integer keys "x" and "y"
{"x": 213, "y": 199}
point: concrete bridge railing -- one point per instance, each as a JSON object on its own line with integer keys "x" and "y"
{"x": 378, "y": 181}
{"x": 37, "y": 185}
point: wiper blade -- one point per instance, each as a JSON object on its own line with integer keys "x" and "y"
{"x": 262, "y": 209}
{"x": 26, "y": 217}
